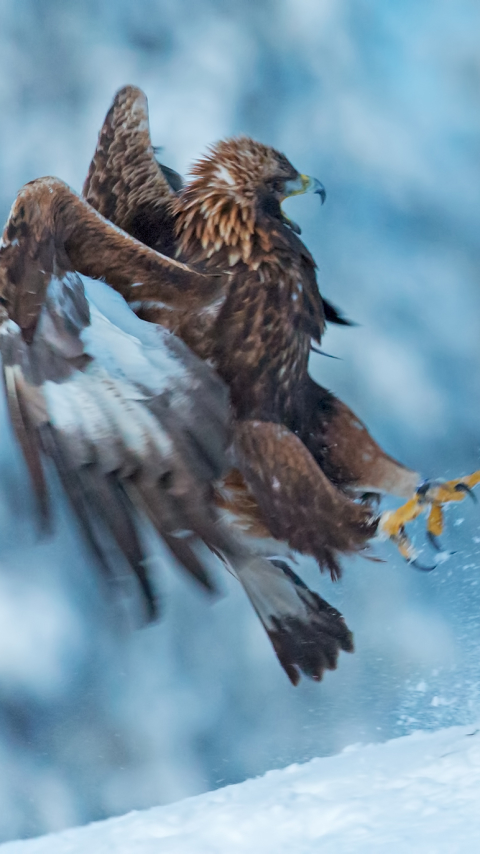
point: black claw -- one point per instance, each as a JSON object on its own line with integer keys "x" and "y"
{"x": 320, "y": 191}
{"x": 434, "y": 542}
{"x": 370, "y": 499}
{"x": 462, "y": 487}
{"x": 421, "y": 567}
{"x": 422, "y": 490}
{"x": 322, "y": 352}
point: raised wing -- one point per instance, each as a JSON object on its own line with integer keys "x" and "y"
{"x": 48, "y": 215}
{"x": 125, "y": 182}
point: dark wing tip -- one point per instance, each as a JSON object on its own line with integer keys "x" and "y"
{"x": 334, "y": 315}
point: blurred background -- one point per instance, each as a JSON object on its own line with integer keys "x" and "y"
{"x": 381, "y": 101}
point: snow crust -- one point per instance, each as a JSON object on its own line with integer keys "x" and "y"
{"x": 419, "y": 793}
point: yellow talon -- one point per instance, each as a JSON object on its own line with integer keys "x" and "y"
{"x": 435, "y": 520}
{"x": 392, "y": 522}
{"x": 404, "y": 546}
{"x": 431, "y": 498}
{"x": 452, "y": 490}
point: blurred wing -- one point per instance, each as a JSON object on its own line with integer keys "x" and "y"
{"x": 125, "y": 182}
{"x": 133, "y": 426}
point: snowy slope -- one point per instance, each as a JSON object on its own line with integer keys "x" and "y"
{"x": 420, "y": 793}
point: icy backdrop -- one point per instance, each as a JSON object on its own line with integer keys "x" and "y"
{"x": 381, "y": 101}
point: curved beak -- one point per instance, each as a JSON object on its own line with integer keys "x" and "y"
{"x": 304, "y": 184}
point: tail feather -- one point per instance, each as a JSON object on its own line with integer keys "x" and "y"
{"x": 306, "y": 632}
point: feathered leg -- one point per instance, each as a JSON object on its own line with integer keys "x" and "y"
{"x": 345, "y": 450}
{"x": 349, "y": 456}
{"x": 297, "y": 501}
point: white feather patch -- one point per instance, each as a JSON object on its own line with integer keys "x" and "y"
{"x": 222, "y": 174}
{"x": 129, "y": 348}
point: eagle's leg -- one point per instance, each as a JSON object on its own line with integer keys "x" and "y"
{"x": 351, "y": 458}
{"x": 430, "y": 497}
{"x": 345, "y": 450}
{"x": 297, "y": 502}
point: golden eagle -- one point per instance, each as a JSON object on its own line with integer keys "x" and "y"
{"x": 138, "y": 423}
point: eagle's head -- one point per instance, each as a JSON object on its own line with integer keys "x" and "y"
{"x": 233, "y": 190}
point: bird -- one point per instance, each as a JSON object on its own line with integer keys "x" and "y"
{"x": 263, "y": 461}
{"x": 301, "y": 456}
{"x": 137, "y": 427}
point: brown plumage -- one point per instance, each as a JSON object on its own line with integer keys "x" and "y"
{"x": 228, "y": 221}
{"x": 125, "y": 183}
{"x": 217, "y": 263}
{"x": 135, "y": 424}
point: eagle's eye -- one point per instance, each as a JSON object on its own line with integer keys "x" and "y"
{"x": 276, "y": 186}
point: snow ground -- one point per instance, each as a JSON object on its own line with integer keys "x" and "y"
{"x": 420, "y": 793}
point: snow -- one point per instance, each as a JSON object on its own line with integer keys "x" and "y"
{"x": 419, "y": 793}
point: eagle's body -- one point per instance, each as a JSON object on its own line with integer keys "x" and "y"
{"x": 139, "y": 426}
{"x": 259, "y": 334}
{"x": 299, "y": 450}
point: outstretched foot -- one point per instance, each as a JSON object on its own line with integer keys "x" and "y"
{"x": 430, "y": 498}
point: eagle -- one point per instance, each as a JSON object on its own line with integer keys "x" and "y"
{"x": 198, "y": 414}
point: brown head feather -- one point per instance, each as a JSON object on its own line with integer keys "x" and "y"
{"x": 222, "y": 207}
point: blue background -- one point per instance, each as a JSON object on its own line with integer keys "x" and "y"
{"x": 380, "y": 101}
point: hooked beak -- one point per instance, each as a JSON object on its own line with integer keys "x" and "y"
{"x": 304, "y": 184}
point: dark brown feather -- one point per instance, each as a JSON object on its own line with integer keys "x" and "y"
{"x": 345, "y": 450}
{"x": 125, "y": 183}
{"x": 306, "y": 633}
{"x": 258, "y": 337}
{"x": 299, "y": 454}
{"x": 296, "y": 499}
{"x": 334, "y": 315}
{"x": 47, "y": 215}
